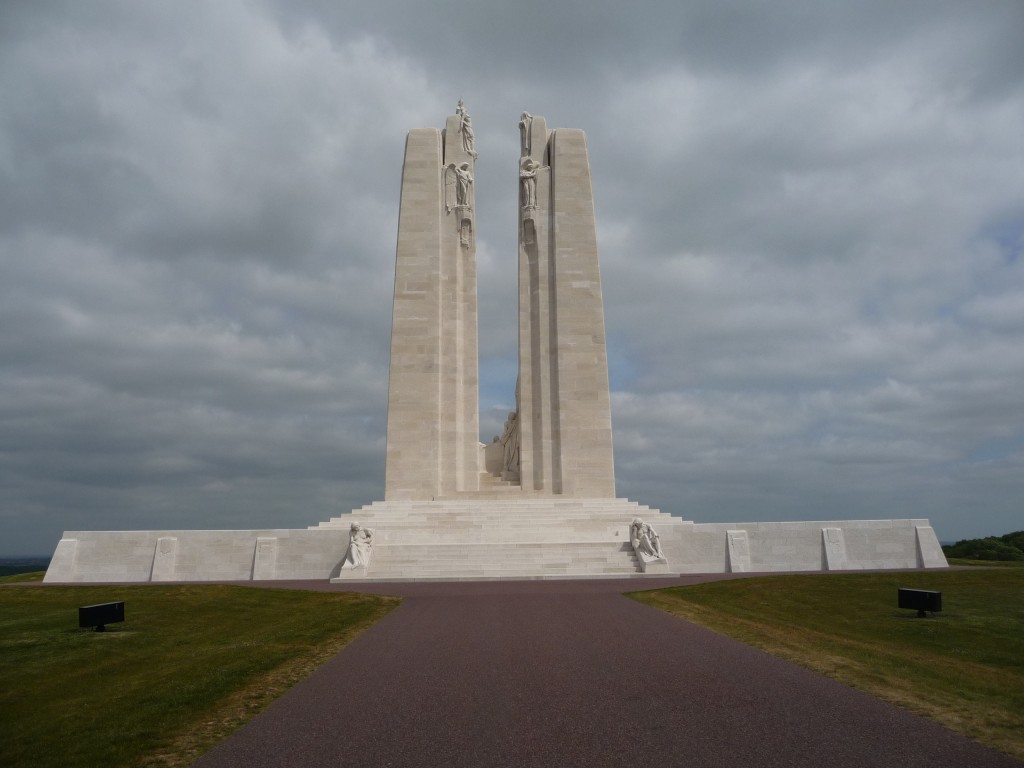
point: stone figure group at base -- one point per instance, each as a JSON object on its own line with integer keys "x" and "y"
{"x": 360, "y": 548}
{"x": 646, "y": 542}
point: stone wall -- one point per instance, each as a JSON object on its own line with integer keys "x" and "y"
{"x": 835, "y": 545}
{"x": 512, "y": 539}
{"x": 137, "y": 556}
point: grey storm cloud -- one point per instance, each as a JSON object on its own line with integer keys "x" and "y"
{"x": 810, "y": 217}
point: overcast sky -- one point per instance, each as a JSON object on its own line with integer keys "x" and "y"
{"x": 810, "y": 222}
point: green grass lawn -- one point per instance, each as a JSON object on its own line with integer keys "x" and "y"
{"x": 188, "y": 666}
{"x": 963, "y": 668}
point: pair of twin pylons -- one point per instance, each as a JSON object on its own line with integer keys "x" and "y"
{"x": 560, "y": 432}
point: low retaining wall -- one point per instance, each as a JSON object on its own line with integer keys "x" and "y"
{"x": 83, "y": 556}
{"x": 837, "y": 545}
{"x": 316, "y": 553}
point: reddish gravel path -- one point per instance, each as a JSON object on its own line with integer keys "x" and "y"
{"x": 573, "y": 674}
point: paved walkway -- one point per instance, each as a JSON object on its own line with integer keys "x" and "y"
{"x": 573, "y": 674}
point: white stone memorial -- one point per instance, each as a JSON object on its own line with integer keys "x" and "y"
{"x": 537, "y": 502}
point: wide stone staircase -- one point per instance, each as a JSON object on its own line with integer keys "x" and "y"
{"x": 499, "y": 534}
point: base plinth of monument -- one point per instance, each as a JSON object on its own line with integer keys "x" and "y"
{"x": 483, "y": 537}
{"x": 172, "y": 555}
{"x": 494, "y": 539}
{"x": 559, "y": 538}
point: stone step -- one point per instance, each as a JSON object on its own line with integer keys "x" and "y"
{"x": 609, "y": 545}
{"x": 524, "y": 498}
{"x": 447, "y": 523}
{"x": 501, "y": 560}
{"x": 526, "y": 569}
{"x": 416, "y": 569}
{"x": 519, "y": 537}
{"x": 502, "y": 512}
{"x": 520, "y": 565}
{"x": 372, "y": 579}
{"x": 455, "y": 554}
{"x": 507, "y": 509}
{"x": 502, "y": 527}
{"x": 479, "y": 576}
{"x": 515, "y": 511}
{"x": 511, "y": 515}
{"x": 382, "y": 560}
{"x": 505, "y": 513}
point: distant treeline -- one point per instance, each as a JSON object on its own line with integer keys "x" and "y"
{"x": 10, "y": 566}
{"x": 1008, "y": 547}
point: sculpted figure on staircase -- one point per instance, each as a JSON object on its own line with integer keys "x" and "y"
{"x": 360, "y": 547}
{"x": 645, "y": 541}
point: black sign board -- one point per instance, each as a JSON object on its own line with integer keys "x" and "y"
{"x": 920, "y": 600}
{"x": 100, "y": 615}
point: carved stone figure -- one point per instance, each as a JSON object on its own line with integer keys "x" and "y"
{"x": 466, "y": 129}
{"x": 458, "y": 182}
{"x": 464, "y": 182}
{"x": 360, "y": 547}
{"x": 525, "y": 123}
{"x": 528, "y": 182}
{"x": 645, "y": 541}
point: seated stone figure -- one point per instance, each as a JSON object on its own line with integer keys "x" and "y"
{"x": 360, "y": 547}
{"x": 645, "y": 541}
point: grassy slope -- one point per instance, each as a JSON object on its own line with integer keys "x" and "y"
{"x": 964, "y": 668}
{"x": 189, "y": 665}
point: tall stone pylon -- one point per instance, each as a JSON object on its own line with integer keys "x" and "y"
{"x": 564, "y": 409}
{"x": 433, "y": 400}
